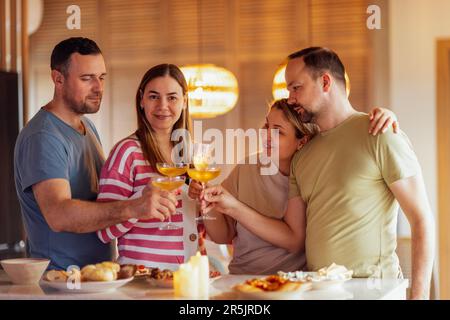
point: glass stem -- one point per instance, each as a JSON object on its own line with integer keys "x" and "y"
{"x": 203, "y": 199}
{"x": 170, "y": 216}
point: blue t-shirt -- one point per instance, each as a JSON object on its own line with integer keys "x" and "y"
{"x": 48, "y": 148}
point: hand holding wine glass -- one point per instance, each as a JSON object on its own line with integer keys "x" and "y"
{"x": 155, "y": 204}
{"x": 195, "y": 190}
{"x": 219, "y": 199}
{"x": 171, "y": 182}
{"x": 202, "y": 169}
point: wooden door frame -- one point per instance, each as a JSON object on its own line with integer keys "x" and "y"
{"x": 443, "y": 153}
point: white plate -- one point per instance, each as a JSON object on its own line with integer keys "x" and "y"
{"x": 323, "y": 284}
{"x": 87, "y": 287}
{"x": 211, "y": 280}
{"x": 326, "y": 284}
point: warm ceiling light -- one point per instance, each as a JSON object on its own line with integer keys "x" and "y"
{"x": 279, "y": 90}
{"x": 212, "y": 90}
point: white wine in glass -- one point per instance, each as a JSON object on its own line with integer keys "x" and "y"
{"x": 171, "y": 170}
{"x": 169, "y": 184}
{"x": 202, "y": 170}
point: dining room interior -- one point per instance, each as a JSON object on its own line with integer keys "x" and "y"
{"x": 396, "y": 55}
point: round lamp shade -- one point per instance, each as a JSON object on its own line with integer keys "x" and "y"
{"x": 213, "y": 90}
{"x": 35, "y": 15}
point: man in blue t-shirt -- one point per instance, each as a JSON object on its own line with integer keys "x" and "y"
{"x": 57, "y": 162}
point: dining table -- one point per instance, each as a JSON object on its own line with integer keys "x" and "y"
{"x": 221, "y": 288}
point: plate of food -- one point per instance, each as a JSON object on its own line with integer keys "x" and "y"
{"x": 101, "y": 277}
{"x": 327, "y": 278}
{"x": 272, "y": 287}
{"x": 161, "y": 278}
{"x": 164, "y": 278}
{"x": 141, "y": 271}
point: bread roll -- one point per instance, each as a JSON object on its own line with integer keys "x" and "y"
{"x": 88, "y": 268}
{"x": 86, "y": 272}
{"x": 110, "y": 265}
{"x": 105, "y": 271}
{"x": 101, "y": 274}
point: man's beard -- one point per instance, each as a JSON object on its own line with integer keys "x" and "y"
{"x": 305, "y": 116}
{"x": 85, "y": 107}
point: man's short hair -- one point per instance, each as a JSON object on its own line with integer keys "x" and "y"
{"x": 319, "y": 59}
{"x": 60, "y": 58}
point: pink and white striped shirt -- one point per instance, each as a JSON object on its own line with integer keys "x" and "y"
{"x": 124, "y": 176}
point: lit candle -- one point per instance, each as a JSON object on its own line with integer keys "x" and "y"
{"x": 202, "y": 265}
{"x": 192, "y": 278}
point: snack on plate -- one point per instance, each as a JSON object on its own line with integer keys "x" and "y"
{"x": 61, "y": 275}
{"x": 214, "y": 274}
{"x": 333, "y": 272}
{"x": 158, "y": 274}
{"x": 105, "y": 271}
{"x": 56, "y": 276}
{"x": 161, "y": 274}
{"x": 127, "y": 271}
{"x": 109, "y": 265}
{"x": 142, "y": 270}
{"x": 100, "y": 272}
{"x": 272, "y": 283}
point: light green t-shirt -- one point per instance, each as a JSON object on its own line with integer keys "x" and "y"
{"x": 343, "y": 176}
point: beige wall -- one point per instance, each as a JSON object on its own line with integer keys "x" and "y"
{"x": 414, "y": 27}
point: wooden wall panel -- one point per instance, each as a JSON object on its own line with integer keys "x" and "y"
{"x": 133, "y": 30}
{"x": 443, "y": 144}
{"x": 267, "y": 29}
{"x": 53, "y": 28}
{"x": 341, "y": 26}
{"x": 250, "y": 37}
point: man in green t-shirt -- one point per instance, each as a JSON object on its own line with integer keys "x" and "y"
{"x": 351, "y": 182}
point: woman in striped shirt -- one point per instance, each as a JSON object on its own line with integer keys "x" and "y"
{"x": 162, "y": 107}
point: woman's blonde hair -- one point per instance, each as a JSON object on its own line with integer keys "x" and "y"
{"x": 145, "y": 132}
{"x": 301, "y": 129}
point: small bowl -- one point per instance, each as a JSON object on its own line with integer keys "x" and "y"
{"x": 25, "y": 270}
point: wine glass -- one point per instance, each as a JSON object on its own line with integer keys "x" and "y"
{"x": 202, "y": 170}
{"x": 171, "y": 170}
{"x": 172, "y": 181}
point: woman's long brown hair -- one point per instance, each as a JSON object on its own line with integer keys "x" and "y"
{"x": 145, "y": 132}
